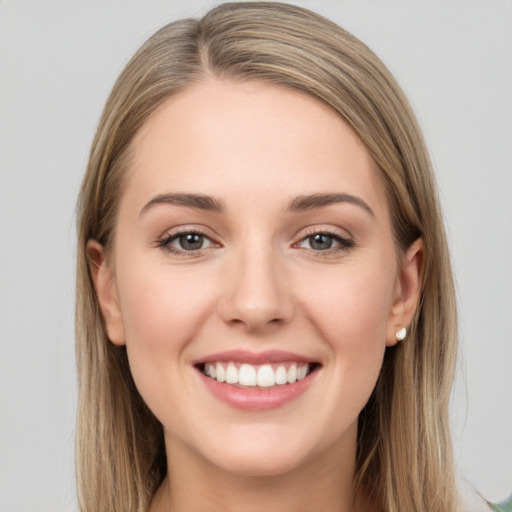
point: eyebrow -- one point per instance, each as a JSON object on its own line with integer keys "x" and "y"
{"x": 299, "y": 203}
{"x": 200, "y": 201}
{"x": 303, "y": 203}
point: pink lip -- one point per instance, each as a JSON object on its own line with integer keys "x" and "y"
{"x": 247, "y": 399}
{"x": 244, "y": 356}
{"x": 256, "y": 399}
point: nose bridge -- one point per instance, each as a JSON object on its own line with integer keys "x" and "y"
{"x": 258, "y": 295}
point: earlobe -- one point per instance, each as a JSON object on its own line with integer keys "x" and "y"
{"x": 408, "y": 292}
{"x": 106, "y": 292}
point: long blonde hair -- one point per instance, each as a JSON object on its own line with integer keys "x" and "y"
{"x": 404, "y": 457}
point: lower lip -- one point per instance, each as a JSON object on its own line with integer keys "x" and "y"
{"x": 257, "y": 399}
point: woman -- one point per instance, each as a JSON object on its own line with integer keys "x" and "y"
{"x": 266, "y": 316}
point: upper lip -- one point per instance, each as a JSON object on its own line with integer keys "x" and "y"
{"x": 256, "y": 358}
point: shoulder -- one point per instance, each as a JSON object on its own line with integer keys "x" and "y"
{"x": 504, "y": 506}
{"x": 470, "y": 500}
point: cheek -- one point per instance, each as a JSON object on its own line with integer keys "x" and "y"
{"x": 160, "y": 306}
{"x": 353, "y": 304}
{"x": 351, "y": 313}
{"x": 162, "y": 311}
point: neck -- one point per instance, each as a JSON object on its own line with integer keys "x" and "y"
{"x": 324, "y": 483}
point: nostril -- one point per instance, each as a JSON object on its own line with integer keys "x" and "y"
{"x": 255, "y": 320}
{"x": 256, "y": 298}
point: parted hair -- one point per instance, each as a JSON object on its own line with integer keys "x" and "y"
{"x": 404, "y": 452}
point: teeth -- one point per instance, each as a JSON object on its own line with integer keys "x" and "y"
{"x": 210, "y": 370}
{"x": 266, "y": 376}
{"x": 301, "y": 372}
{"x": 281, "y": 376}
{"x": 231, "y": 374}
{"x": 263, "y": 376}
{"x": 220, "y": 373}
{"x": 247, "y": 375}
{"x": 292, "y": 374}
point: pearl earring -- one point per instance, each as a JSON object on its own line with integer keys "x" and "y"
{"x": 401, "y": 334}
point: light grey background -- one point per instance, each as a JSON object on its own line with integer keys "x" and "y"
{"x": 58, "y": 60}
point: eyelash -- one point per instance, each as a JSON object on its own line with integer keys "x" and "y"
{"x": 165, "y": 241}
{"x": 345, "y": 244}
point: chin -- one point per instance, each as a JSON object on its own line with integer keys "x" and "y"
{"x": 260, "y": 455}
{"x": 270, "y": 464}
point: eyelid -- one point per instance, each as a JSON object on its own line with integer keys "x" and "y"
{"x": 326, "y": 229}
{"x": 163, "y": 241}
{"x": 345, "y": 239}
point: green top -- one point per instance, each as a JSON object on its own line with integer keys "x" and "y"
{"x": 504, "y": 506}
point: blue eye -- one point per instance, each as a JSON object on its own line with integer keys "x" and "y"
{"x": 190, "y": 241}
{"x": 322, "y": 242}
{"x": 185, "y": 242}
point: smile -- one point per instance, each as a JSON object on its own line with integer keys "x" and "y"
{"x": 262, "y": 376}
{"x": 257, "y": 381}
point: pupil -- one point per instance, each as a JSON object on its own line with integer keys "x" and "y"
{"x": 321, "y": 242}
{"x": 191, "y": 241}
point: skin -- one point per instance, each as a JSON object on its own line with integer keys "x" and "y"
{"x": 257, "y": 284}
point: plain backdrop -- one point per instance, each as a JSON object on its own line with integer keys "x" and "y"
{"x": 58, "y": 61}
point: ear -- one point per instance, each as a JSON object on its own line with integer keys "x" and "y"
{"x": 104, "y": 284}
{"x": 407, "y": 290}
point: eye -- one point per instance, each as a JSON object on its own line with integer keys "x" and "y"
{"x": 190, "y": 242}
{"x": 324, "y": 241}
{"x": 186, "y": 242}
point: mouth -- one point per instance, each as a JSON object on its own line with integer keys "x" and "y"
{"x": 257, "y": 376}
{"x": 257, "y": 381}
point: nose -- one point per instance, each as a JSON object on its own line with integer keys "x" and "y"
{"x": 257, "y": 293}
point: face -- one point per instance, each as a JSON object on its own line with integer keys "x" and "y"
{"x": 253, "y": 277}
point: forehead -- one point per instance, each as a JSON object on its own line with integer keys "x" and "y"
{"x": 250, "y": 139}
